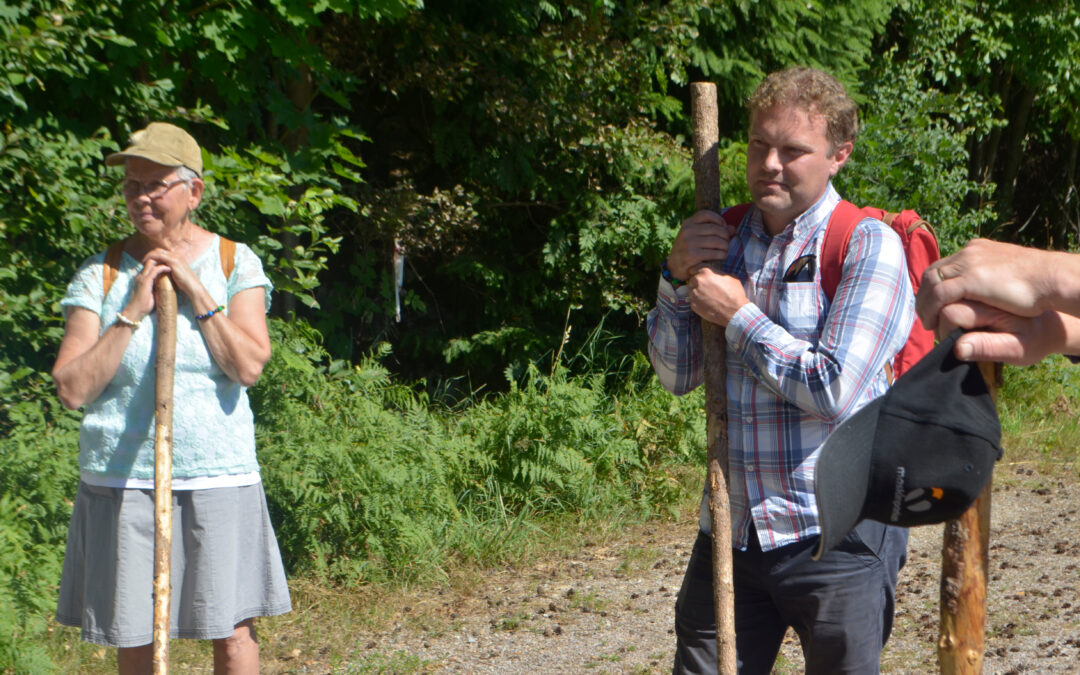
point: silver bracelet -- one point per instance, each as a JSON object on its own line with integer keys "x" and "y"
{"x": 133, "y": 325}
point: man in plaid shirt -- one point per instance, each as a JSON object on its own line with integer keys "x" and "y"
{"x": 797, "y": 366}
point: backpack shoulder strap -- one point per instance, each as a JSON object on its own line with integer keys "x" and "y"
{"x": 114, "y": 255}
{"x": 227, "y": 248}
{"x": 834, "y": 248}
{"x": 920, "y": 242}
{"x": 911, "y": 221}
{"x": 734, "y": 215}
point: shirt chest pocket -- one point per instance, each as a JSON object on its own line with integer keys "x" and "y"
{"x": 800, "y": 309}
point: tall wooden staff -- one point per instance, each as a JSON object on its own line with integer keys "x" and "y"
{"x": 703, "y": 112}
{"x": 165, "y": 301}
{"x": 964, "y": 564}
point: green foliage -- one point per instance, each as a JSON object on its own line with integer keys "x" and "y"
{"x": 367, "y": 479}
{"x": 58, "y": 200}
{"x": 521, "y": 164}
{"x": 549, "y": 442}
{"x": 24, "y": 592}
{"x": 740, "y": 43}
{"x": 38, "y": 477}
{"x": 566, "y": 188}
{"x": 911, "y": 153}
{"x": 75, "y": 80}
{"x": 1013, "y": 66}
{"x": 527, "y": 157}
{"x": 359, "y": 473}
{"x": 277, "y": 201}
{"x": 1037, "y": 407}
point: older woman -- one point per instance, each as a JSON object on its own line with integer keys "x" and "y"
{"x": 226, "y": 568}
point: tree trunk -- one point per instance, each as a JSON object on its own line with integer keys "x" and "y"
{"x": 983, "y": 151}
{"x": 707, "y": 196}
{"x": 300, "y": 91}
{"x": 165, "y": 300}
{"x": 1014, "y": 152}
{"x": 1070, "y": 206}
{"x": 1002, "y": 86}
{"x": 1070, "y": 166}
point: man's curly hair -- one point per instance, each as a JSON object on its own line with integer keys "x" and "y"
{"x": 814, "y": 91}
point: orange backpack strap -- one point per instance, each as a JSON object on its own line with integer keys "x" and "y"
{"x": 838, "y": 233}
{"x": 114, "y": 255}
{"x": 227, "y": 248}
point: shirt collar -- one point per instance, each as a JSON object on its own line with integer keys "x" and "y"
{"x": 817, "y": 215}
{"x": 804, "y": 224}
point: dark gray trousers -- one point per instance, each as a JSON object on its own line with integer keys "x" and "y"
{"x": 840, "y": 606}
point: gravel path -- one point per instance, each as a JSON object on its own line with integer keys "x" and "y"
{"x": 609, "y": 608}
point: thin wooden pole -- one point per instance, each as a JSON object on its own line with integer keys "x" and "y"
{"x": 703, "y": 111}
{"x": 165, "y": 300}
{"x": 964, "y": 563}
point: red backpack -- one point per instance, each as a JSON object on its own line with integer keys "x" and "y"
{"x": 920, "y": 249}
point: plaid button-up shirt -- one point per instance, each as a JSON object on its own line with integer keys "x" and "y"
{"x": 797, "y": 365}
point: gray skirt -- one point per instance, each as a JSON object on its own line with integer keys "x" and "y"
{"x": 225, "y": 564}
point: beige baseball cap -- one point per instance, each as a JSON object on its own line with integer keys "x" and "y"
{"x": 164, "y": 144}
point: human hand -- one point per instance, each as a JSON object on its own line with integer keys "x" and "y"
{"x": 183, "y": 278}
{"x": 996, "y": 335}
{"x": 716, "y": 297}
{"x": 142, "y": 299}
{"x": 1012, "y": 278}
{"x": 702, "y": 239}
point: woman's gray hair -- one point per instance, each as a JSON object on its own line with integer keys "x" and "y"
{"x": 187, "y": 175}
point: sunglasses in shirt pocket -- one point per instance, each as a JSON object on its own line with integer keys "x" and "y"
{"x": 801, "y": 270}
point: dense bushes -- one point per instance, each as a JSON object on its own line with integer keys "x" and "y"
{"x": 368, "y": 479}
{"x": 38, "y": 477}
{"x": 359, "y": 472}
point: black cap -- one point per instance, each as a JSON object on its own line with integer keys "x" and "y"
{"x": 920, "y": 454}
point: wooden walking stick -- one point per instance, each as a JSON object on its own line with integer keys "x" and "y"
{"x": 165, "y": 301}
{"x": 703, "y": 112}
{"x": 964, "y": 564}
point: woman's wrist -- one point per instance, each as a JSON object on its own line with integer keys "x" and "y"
{"x": 124, "y": 320}
{"x": 209, "y": 313}
{"x": 133, "y": 314}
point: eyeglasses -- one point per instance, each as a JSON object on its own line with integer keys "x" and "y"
{"x": 132, "y": 189}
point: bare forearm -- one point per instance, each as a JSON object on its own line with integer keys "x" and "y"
{"x": 237, "y": 339}
{"x": 241, "y": 356}
{"x": 80, "y": 380}
{"x": 1069, "y": 335}
{"x": 1062, "y": 288}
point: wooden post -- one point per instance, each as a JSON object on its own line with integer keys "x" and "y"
{"x": 165, "y": 301}
{"x": 964, "y": 563}
{"x": 703, "y": 112}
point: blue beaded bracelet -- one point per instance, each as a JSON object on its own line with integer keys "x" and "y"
{"x": 203, "y": 317}
{"x": 666, "y": 273}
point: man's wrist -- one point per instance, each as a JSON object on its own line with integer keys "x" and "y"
{"x": 1061, "y": 282}
{"x": 665, "y": 272}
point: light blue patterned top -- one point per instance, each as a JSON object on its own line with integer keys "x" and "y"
{"x": 213, "y": 429}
